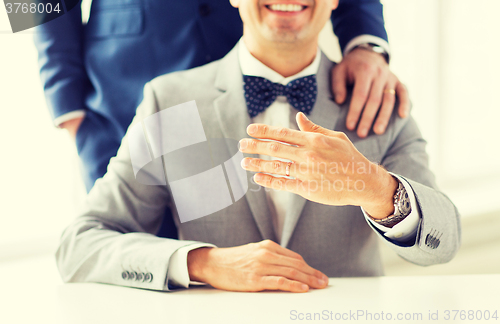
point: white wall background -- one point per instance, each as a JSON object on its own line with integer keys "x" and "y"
{"x": 37, "y": 161}
{"x": 445, "y": 51}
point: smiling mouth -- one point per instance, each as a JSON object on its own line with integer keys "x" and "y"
{"x": 282, "y": 7}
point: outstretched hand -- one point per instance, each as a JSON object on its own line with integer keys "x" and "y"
{"x": 327, "y": 168}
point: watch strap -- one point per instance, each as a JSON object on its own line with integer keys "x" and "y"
{"x": 375, "y": 49}
{"x": 398, "y": 215}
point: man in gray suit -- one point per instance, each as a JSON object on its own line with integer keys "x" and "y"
{"x": 333, "y": 192}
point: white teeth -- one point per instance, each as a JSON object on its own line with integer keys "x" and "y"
{"x": 285, "y": 7}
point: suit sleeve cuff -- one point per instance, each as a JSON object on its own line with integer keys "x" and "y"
{"x": 407, "y": 228}
{"x": 363, "y": 39}
{"x": 68, "y": 116}
{"x": 177, "y": 273}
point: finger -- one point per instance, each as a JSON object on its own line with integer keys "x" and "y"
{"x": 270, "y": 148}
{"x": 278, "y": 249}
{"x": 360, "y": 93}
{"x": 404, "y": 100}
{"x": 372, "y": 106}
{"x": 299, "y": 265}
{"x": 282, "y": 283}
{"x": 385, "y": 112}
{"x": 296, "y": 186}
{"x": 276, "y": 133}
{"x": 296, "y": 275}
{"x": 307, "y": 125}
{"x": 277, "y": 183}
{"x": 339, "y": 83}
{"x": 276, "y": 167}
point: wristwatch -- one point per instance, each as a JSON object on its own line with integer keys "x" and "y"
{"x": 402, "y": 208}
{"x": 374, "y": 48}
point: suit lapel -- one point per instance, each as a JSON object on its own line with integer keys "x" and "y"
{"x": 325, "y": 113}
{"x": 233, "y": 117}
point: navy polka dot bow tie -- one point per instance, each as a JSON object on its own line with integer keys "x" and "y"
{"x": 260, "y": 93}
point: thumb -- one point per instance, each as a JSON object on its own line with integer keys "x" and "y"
{"x": 339, "y": 86}
{"x": 306, "y": 125}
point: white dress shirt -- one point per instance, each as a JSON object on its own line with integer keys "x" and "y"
{"x": 280, "y": 113}
{"x": 363, "y": 39}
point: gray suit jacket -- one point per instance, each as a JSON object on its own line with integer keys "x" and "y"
{"x": 115, "y": 232}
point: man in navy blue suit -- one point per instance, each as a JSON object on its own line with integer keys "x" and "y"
{"x": 93, "y": 74}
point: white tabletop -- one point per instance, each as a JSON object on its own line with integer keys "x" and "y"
{"x": 32, "y": 293}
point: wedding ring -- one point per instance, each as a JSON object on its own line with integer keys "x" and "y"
{"x": 391, "y": 91}
{"x": 287, "y": 169}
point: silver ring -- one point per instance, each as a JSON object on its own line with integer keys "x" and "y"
{"x": 287, "y": 169}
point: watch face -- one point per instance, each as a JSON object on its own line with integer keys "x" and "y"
{"x": 404, "y": 205}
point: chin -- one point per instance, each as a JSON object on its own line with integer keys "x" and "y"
{"x": 284, "y": 38}
{"x": 284, "y": 35}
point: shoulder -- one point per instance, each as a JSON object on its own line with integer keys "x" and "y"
{"x": 399, "y": 131}
{"x": 185, "y": 85}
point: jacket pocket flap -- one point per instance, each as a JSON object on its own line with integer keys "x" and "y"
{"x": 115, "y": 22}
